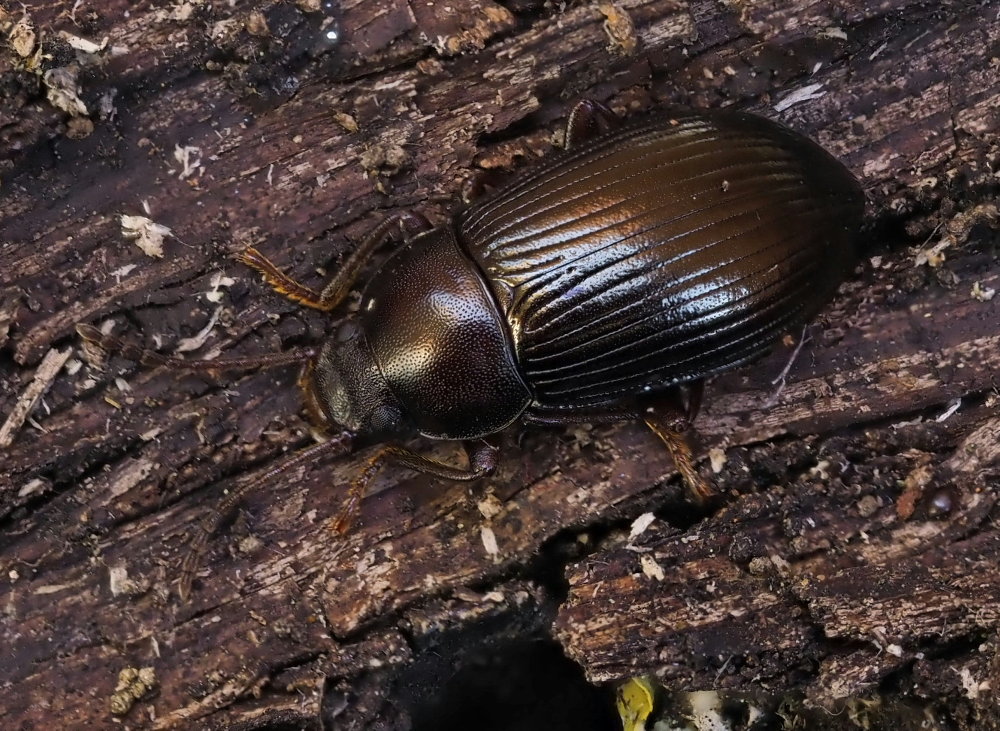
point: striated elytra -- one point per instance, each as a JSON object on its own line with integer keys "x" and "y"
{"x": 653, "y": 256}
{"x": 604, "y": 285}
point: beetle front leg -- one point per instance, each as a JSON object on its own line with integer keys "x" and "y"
{"x": 483, "y": 458}
{"x": 669, "y": 419}
{"x": 338, "y": 445}
{"x": 340, "y": 284}
{"x": 589, "y": 119}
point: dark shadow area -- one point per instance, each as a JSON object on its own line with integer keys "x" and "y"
{"x": 526, "y": 685}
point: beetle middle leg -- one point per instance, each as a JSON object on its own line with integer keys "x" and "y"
{"x": 483, "y": 458}
{"x": 340, "y": 284}
{"x": 669, "y": 418}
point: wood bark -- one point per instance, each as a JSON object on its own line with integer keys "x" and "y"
{"x": 854, "y": 551}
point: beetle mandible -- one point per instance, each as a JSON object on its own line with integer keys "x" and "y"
{"x": 605, "y": 285}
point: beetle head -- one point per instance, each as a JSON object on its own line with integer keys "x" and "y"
{"x": 351, "y": 389}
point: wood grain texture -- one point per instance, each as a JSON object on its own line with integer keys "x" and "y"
{"x": 827, "y": 571}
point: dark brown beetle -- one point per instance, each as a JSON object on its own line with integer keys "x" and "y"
{"x": 635, "y": 263}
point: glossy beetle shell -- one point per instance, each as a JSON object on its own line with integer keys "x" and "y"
{"x": 654, "y": 255}
{"x": 663, "y": 253}
{"x": 440, "y": 342}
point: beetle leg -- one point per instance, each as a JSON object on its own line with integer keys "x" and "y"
{"x": 475, "y": 186}
{"x": 696, "y": 391}
{"x": 339, "y": 444}
{"x": 483, "y": 458}
{"x": 589, "y": 119}
{"x": 341, "y": 282}
{"x": 110, "y": 344}
{"x": 315, "y": 412}
{"x": 670, "y": 420}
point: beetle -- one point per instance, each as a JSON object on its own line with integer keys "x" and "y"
{"x": 605, "y": 285}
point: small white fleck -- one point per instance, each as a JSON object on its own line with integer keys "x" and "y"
{"x": 148, "y": 235}
{"x": 650, "y": 568}
{"x": 186, "y": 345}
{"x": 952, "y": 408}
{"x": 981, "y": 293}
{"x": 640, "y": 524}
{"x": 490, "y": 541}
{"x": 969, "y": 683}
{"x": 123, "y": 271}
{"x": 806, "y": 93}
{"x": 30, "y": 487}
{"x": 189, "y": 157}
{"x": 118, "y": 579}
{"x": 833, "y": 32}
{"x": 490, "y": 507}
{"x": 218, "y": 281}
{"x": 718, "y": 459}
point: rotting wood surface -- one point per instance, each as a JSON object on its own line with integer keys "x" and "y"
{"x": 857, "y": 545}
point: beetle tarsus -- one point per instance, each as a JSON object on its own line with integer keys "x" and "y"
{"x": 279, "y": 281}
{"x": 359, "y": 486}
{"x": 697, "y": 487}
{"x": 340, "y": 284}
{"x": 190, "y": 563}
{"x": 670, "y": 418}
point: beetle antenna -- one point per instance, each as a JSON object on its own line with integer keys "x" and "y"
{"x": 95, "y": 340}
{"x": 338, "y": 446}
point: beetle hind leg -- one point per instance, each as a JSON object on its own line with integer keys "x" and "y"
{"x": 669, "y": 418}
